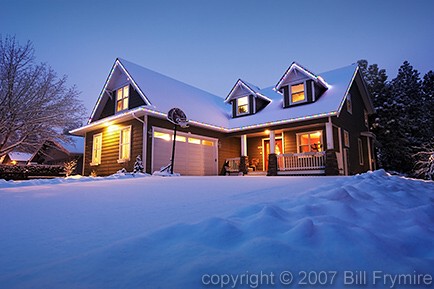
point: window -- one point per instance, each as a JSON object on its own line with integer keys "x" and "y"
{"x": 360, "y": 152}
{"x": 122, "y": 95}
{"x": 162, "y": 135}
{"x": 242, "y": 105}
{"x": 366, "y": 118}
{"x": 96, "y": 149}
{"x": 193, "y": 140}
{"x": 346, "y": 139}
{"x": 208, "y": 143}
{"x": 297, "y": 93}
{"x": 124, "y": 144}
{"x": 349, "y": 104}
{"x": 310, "y": 142}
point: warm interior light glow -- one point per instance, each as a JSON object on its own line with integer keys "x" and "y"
{"x": 14, "y": 162}
{"x": 267, "y": 131}
{"x": 112, "y": 128}
{"x": 162, "y": 135}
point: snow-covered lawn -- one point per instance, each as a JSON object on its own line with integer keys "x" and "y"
{"x": 181, "y": 232}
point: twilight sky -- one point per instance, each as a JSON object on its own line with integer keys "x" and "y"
{"x": 212, "y": 43}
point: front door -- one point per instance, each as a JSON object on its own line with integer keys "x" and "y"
{"x": 266, "y": 150}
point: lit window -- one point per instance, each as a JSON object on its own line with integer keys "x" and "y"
{"x": 360, "y": 152}
{"x": 96, "y": 149}
{"x": 122, "y": 95}
{"x": 346, "y": 139}
{"x": 242, "y": 105}
{"x": 310, "y": 142}
{"x": 162, "y": 135}
{"x": 297, "y": 93}
{"x": 349, "y": 104}
{"x": 124, "y": 143}
{"x": 194, "y": 140}
{"x": 207, "y": 143}
{"x": 366, "y": 118}
{"x": 180, "y": 138}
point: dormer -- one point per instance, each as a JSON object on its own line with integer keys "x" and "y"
{"x": 300, "y": 86}
{"x": 119, "y": 94}
{"x": 246, "y": 99}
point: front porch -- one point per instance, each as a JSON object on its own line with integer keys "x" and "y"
{"x": 305, "y": 150}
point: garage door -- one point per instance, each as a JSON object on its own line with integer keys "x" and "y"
{"x": 194, "y": 155}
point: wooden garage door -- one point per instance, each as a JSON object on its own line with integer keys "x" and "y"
{"x": 194, "y": 155}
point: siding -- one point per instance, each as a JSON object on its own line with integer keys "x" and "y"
{"x": 355, "y": 124}
{"x": 110, "y": 149}
{"x": 228, "y": 148}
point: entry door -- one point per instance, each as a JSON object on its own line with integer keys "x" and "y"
{"x": 278, "y": 149}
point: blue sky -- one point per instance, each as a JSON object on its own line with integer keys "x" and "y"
{"x": 212, "y": 43}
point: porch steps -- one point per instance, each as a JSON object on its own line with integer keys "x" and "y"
{"x": 257, "y": 173}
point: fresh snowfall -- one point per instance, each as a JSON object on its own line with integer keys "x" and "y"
{"x": 367, "y": 231}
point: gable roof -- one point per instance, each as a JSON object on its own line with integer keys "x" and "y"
{"x": 244, "y": 85}
{"x": 208, "y": 110}
{"x": 297, "y": 67}
{"x": 19, "y": 156}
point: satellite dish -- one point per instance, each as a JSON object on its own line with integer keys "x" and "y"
{"x": 177, "y": 117}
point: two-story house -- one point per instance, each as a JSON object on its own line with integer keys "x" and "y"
{"x": 306, "y": 123}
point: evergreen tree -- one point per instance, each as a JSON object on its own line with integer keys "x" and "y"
{"x": 138, "y": 165}
{"x": 405, "y": 128}
{"x": 428, "y": 98}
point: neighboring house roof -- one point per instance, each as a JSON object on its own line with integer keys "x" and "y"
{"x": 203, "y": 108}
{"x": 19, "y": 156}
{"x": 76, "y": 147}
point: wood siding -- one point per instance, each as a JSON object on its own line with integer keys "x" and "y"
{"x": 228, "y": 148}
{"x": 110, "y": 149}
{"x": 354, "y": 123}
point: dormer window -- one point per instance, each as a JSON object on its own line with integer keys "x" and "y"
{"x": 349, "y": 104}
{"x": 243, "y": 105}
{"x": 297, "y": 93}
{"x": 122, "y": 95}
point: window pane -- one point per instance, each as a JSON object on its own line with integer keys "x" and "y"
{"x": 297, "y": 92}
{"x": 242, "y": 109}
{"x": 207, "y": 143}
{"x": 193, "y": 140}
{"x": 119, "y": 105}
{"x": 180, "y": 138}
{"x": 126, "y": 91}
{"x": 125, "y": 103}
{"x": 119, "y": 94}
{"x": 304, "y": 139}
{"x": 242, "y": 100}
{"x": 161, "y": 135}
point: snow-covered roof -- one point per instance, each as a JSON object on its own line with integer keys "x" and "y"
{"x": 19, "y": 156}
{"x": 161, "y": 93}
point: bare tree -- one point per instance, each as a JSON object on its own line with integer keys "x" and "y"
{"x": 35, "y": 104}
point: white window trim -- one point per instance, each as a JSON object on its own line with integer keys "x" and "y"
{"x": 348, "y": 134}
{"x": 248, "y": 105}
{"x": 309, "y": 132}
{"x": 360, "y": 142}
{"x": 98, "y": 162}
{"x": 290, "y": 92}
{"x": 116, "y": 97}
{"x": 350, "y": 105}
{"x": 121, "y": 160}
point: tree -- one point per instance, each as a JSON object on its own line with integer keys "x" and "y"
{"x": 428, "y": 98}
{"x": 35, "y": 104}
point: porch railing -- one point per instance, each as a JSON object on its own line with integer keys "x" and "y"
{"x": 301, "y": 161}
{"x": 233, "y": 164}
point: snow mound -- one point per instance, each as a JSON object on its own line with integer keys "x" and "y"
{"x": 367, "y": 222}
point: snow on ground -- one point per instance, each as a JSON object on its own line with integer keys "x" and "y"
{"x": 157, "y": 232}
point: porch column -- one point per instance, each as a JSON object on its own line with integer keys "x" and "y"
{"x": 329, "y": 134}
{"x": 244, "y": 145}
{"x": 272, "y": 142}
{"x": 368, "y": 139}
{"x": 243, "y": 157}
{"x": 272, "y": 157}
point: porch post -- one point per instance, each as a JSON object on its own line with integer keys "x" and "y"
{"x": 369, "y": 152}
{"x": 272, "y": 157}
{"x": 243, "y": 157}
{"x": 329, "y": 134}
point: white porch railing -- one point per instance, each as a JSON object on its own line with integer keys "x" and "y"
{"x": 301, "y": 161}
{"x": 233, "y": 164}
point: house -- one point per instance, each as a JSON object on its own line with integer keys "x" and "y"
{"x": 16, "y": 158}
{"x": 59, "y": 152}
{"x": 306, "y": 123}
